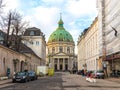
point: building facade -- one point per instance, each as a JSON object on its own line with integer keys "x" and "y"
{"x": 60, "y": 48}
{"x": 16, "y": 61}
{"x": 109, "y": 38}
{"x": 35, "y": 39}
{"x": 81, "y": 51}
{"x": 88, "y": 48}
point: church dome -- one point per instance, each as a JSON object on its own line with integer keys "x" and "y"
{"x": 60, "y": 34}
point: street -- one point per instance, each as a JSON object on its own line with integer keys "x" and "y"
{"x": 62, "y": 81}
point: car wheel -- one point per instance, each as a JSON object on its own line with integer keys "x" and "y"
{"x": 25, "y": 80}
{"x": 13, "y": 81}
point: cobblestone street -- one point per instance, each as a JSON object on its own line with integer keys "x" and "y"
{"x": 63, "y": 81}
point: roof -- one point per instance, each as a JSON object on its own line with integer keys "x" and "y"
{"x": 60, "y": 34}
{"x": 26, "y": 49}
{"x": 33, "y": 31}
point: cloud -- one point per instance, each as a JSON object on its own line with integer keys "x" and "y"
{"x": 10, "y": 5}
{"x": 81, "y": 7}
{"x": 44, "y": 14}
{"x": 44, "y": 18}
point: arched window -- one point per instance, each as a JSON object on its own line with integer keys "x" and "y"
{"x": 32, "y": 33}
{"x": 4, "y": 62}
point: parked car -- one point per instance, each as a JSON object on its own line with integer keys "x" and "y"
{"x": 79, "y": 72}
{"x": 115, "y": 73}
{"x": 32, "y": 75}
{"x": 99, "y": 74}
{"x": 21, "y": 77}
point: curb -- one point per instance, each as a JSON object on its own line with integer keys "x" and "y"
{"x": 5, "y": 81}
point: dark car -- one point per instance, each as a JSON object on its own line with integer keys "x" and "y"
{"x": 32, "y": 75}
{"x": 21, "y": 77}
{"x": 99, "y": 74}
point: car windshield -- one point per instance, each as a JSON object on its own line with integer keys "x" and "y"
{"x": 100, "y": 71}
{"x": 31, "y": 73}
{"x": 20, "y": 73}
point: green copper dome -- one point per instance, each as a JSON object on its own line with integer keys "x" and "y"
{"x": 60, "y": 34}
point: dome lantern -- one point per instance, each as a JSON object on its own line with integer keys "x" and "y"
{"x": 60, "y": 23}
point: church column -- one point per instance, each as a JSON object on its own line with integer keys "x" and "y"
{"x": 70, "y": 63}
{"x": 58, "y": 65}
{"x": 69, "y": 67}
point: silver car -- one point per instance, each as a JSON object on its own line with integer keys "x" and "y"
{"x": 99, "y": 74}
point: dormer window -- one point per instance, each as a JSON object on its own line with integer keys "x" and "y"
{"x": 1, "y": 34}
{"x": 32, "y": 33}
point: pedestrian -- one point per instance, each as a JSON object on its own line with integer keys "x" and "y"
{"x": 8, "y": 72}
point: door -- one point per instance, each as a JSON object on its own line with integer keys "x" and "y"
{"x": 55, "y": 67}
{"x": 66, "y": 67}
{"x": 61, "y": 66}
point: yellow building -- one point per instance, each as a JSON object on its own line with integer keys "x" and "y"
{"x": 60, "y": 48}
{"x": 88, "y": 51}
{"x": 81, "y": 52}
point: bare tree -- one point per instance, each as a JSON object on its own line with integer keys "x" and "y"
{"x": 15, "y": 27}
{"x": 19, "y": 27}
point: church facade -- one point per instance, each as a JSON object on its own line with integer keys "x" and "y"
{"x": 60, "y": 49}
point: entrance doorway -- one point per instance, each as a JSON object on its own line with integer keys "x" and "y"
{"x": 55, "y": 67}
{"x": 66, "y": 67}
{"x": 61, "y": 66}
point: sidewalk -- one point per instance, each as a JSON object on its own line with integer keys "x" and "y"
{"x": 5, "y": 81}
{"x": 114, "y": 79}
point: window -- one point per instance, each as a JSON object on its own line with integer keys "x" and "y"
{"x": 37, "y": 42}
{"x": 1, "y": 34}
{"x": 31, "y": 42}
{"x": 55, "y": 61}
{"x": 25, "y": 42}
{"x": 53, "y": 50}
{"x": 32, "y": 33}
{"x": 60, "y": 49}
{"x": 66, "y": 60}
{"x": 68, "y": 49}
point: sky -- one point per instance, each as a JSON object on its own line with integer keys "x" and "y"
{"x": 77, "y": 15}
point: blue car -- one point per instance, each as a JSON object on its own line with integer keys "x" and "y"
{"x": 32, "y": 75}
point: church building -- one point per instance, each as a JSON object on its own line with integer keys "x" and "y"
{"x": 60, "y": 49}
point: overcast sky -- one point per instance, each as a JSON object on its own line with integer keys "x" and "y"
{"x": 45, "y": 14}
